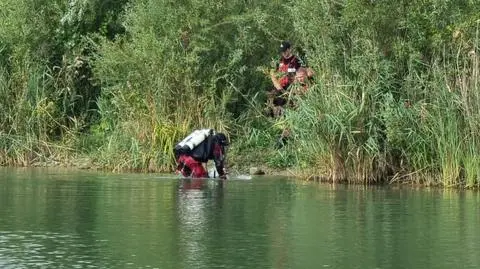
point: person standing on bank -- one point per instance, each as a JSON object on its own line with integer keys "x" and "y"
{"x": 283, "y": 76}
{"x": 286, "y": 68}
{"x": 197, "y": 149}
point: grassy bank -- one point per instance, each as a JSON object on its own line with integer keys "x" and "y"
{"x": 115, "y": 85}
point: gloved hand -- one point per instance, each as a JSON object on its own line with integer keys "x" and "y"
{"x": 224, "y": 175}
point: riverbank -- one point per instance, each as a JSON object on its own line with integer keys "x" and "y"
{"x": 395, "y": 95}
{"x": 86, "y": 164}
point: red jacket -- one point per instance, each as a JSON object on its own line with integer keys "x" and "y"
{"x": 209, "y": 149}
{"x": 288, "y": 67}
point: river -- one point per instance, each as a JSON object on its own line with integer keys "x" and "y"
{"x": 54, "y": 218}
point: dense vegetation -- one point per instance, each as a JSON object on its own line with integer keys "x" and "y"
{"x": 396, "y": 95}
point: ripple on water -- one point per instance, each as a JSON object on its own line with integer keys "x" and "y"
{"x": 25, "y": 249}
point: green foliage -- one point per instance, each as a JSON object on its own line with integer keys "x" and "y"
{"x": 194, "y": 73}
{"x": 395, "y": 93}
{"x": 46, "y": 91}
{"x": 382, "y": 73}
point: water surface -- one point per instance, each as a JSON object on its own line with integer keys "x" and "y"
{"x": 77, "y": 219}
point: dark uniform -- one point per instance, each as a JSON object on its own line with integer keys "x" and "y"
{"x": 189, "y": 161}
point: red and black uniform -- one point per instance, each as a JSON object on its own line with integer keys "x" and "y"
{"x": 190, "y": 161}
{"x": 288, "y": 67}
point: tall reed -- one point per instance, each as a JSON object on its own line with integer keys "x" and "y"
{"x": 395, "y": 97}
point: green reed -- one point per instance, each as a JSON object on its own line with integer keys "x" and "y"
{"x": 395, "y": 96}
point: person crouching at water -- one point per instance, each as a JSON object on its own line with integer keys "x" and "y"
{"x": 197, "y": 149}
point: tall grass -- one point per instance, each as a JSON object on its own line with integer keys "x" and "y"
{"x": 395, "y": 97}
{"x": 159, "y": 83}
{"x": 30, "y": 118}
{"x": 387, "y": 106}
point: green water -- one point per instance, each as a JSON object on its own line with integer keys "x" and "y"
{"x": 71, "y": 219}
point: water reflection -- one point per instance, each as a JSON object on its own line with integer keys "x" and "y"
{"x": 196, "y": 197}
{"x": 58, "y": 219}
{"x": 28, "y": 249}
{"x": 232, "y": 224}
{"x": 382, "y": 227}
